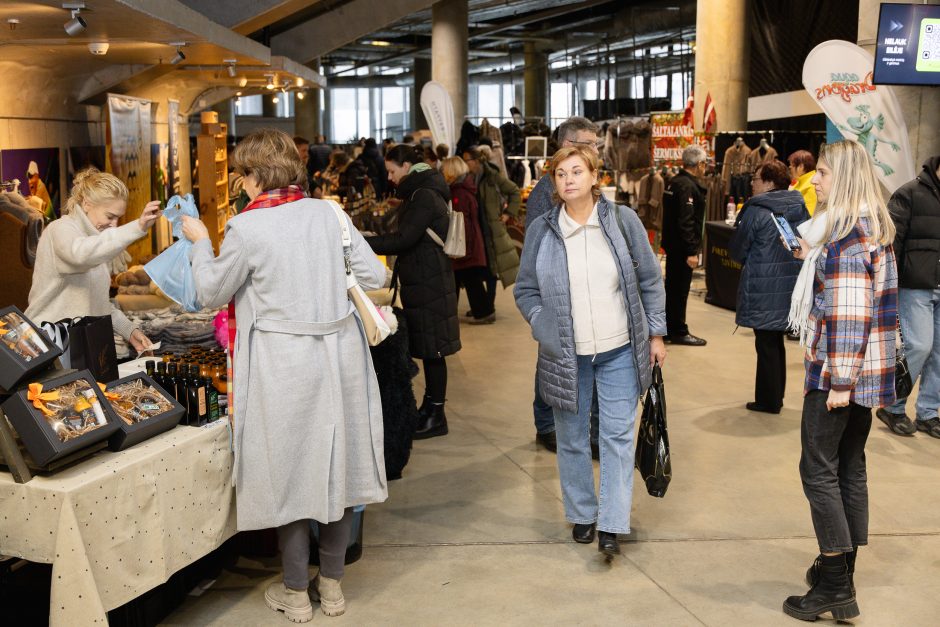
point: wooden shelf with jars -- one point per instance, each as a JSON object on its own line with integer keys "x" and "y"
{"x": 212, "y": 153}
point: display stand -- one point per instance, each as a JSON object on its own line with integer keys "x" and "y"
{"x": 212, "y": 153}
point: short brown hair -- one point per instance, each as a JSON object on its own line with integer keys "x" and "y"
{"x": 453, "y": 168}
{"x": 802, "y": 158}
{"x": 775, "y": 173}
{"x": 590, "y": 159}
{"x": 271, "y": 156}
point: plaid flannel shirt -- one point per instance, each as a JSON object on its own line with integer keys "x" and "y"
{"x": 854, "y": 320}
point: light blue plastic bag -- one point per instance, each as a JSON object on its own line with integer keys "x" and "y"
{"x": 171, "y": 270}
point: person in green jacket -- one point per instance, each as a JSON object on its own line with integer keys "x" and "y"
{"x": 499, "y": 199}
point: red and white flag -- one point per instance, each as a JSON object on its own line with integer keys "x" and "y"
{"x": 687, "y": 118}
{"x": 710, "y": 119}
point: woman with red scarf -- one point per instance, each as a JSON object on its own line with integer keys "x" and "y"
{"x": 308, "y": 417}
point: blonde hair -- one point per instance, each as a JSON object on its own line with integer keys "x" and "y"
{"x": 590, "y": 159}
{"x": 453, "y": 168}
{"x": 272, "y": 157}
{"x": 854, "y": 185}
{"x": 92, "y": 187}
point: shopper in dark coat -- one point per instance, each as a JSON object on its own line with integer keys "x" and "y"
{"x": 375, "y": 167}
{"x": 471, "y": 270}
{"x": 428, "y": 290}
{"x": 915, "y": 209}
{"x": 768, "y": 277}
{"x": 683, "y": 219}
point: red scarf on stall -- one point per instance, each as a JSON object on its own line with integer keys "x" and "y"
{"x": 271, "y": 198}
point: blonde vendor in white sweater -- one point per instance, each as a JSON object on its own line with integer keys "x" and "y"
{"x": 71, "y": 277}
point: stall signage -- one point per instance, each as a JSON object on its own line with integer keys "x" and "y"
{"x": 671, "y": 136}
{"x": 838, "y": 76}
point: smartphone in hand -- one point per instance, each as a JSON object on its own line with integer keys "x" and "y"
{"x": 786, "y": 232}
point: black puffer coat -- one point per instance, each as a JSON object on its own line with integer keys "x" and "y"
{"x": 770, "y": 270}
{"x": 428, "y": 290}
{"x": 915, "y": 208}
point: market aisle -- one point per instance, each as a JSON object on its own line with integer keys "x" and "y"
{"x": 474, "y": 533}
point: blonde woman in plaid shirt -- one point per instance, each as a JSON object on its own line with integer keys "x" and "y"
{"x": 845, "y": 307}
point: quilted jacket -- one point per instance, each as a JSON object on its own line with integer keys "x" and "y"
{"x": 543, "y": 295}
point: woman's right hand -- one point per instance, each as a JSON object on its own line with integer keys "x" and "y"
{"x": 194, "y": 230}
{"x": 149, "y": 215}
{"x": 803, "y": 252}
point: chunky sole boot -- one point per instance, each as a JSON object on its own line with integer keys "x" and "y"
{"x": 330, "y": 595}
{"x": 294, "y": 603}
{"x": 812, "y": 573}
{"x": 433, "y": 424}
{"x": 830, "y": 594}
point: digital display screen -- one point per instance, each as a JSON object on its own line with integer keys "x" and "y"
{"x": 908, "y": 48}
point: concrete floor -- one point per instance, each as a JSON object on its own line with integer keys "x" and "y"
{"x": 474, "y": 534}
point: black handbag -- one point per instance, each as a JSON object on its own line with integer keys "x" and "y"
{"x": 903, "y": 382}
{"x": 652, "y": 444}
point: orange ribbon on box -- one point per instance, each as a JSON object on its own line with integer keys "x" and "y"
{"x": 39, "y": 398}
{"x": 111, "y": 396}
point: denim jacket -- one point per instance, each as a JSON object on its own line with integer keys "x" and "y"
{"x": 543, "y": 295}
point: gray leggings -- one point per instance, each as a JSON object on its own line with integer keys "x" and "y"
{"x": 294, "y": 540}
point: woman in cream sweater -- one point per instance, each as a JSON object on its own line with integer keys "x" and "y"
{"x": 71, "y": 276}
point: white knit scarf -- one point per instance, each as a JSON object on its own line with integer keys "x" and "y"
{"x": 813, "y": 231}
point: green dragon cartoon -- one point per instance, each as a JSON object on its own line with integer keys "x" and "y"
{"x": 862, "y": 127}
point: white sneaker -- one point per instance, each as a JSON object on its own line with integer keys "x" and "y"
{"x": 330, "y": 594}
{"x": 294, "y": 603}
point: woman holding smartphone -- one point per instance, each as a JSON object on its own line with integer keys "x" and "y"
{"x": 845, "y": 308}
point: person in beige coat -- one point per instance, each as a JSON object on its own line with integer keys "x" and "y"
{"x": 308, "y": 437}
{"x": 72, "y": 274}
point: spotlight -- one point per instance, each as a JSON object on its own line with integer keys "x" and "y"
{"x": 243, "y": 81}
{"x": 270, "y": 84}
{"x": 300, "y": 95}
{"x": 275, "y": 99}
{"x": 77, "y": 24}
{"x": 232, "y": 73}
{"x": 300, "y": 82}
{"x": 179, "y": 56}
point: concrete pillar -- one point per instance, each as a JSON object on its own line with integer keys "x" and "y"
{"x": 226, "y": 111}
{"x": 918, "y": 104}
{"x": 307, "y": 114}
{"x": 536, "y": 81}
{"x": 268, "y": 106}
{"x": 519, "y": 96}
{"x": 722, "y": 65}
{"x": 422, "y": 72}
{"x": 327, "y": 127}
{"x": 449, "y": 35}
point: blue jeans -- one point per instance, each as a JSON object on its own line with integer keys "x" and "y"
{"x": 618, "y": 395}
{"x": 920, "y": 324}
{"x": 545, "y": 418}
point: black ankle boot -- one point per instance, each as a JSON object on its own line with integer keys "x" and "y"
{"x": 813, "y": 573}
{"x": 425, "y": 406}
{"x": 607, "y": 543}
{"x": 432, "y": 423}
{"x": 832, "y": 593}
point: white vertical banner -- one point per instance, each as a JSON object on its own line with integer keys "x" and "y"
{"x": 838, "y": 76}
{"x": 439, "y": 111}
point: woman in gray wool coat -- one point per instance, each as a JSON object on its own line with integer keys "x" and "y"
{"x": 592, "y": 290}
{"x": 308, "y": 417}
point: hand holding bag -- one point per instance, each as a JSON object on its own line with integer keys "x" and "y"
{"x": 903, "y": 382}
{"x": 652, "y": 445}
{"x": 171, "y": 270}
{"x": 376, "y": 328}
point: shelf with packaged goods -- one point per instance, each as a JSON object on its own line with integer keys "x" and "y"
{"x": 212, "y": 156}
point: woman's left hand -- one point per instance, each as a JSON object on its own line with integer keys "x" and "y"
{"x": 139, "y": 341}
{"x": 838, "y": 399}
{"x": 194, "y": 230}
{"x": 505, "y": 218}
{"x": 657, "y": 351}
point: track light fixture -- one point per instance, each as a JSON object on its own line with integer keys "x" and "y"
{"x": 179, "y": 56}
{"x": 243, "y": 81}
{"x": 232, "y": 73}
{"x": 270, "y": 84}
{"x": 77, "y": 24}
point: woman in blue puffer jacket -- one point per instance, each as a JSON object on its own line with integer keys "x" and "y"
{"x": 592, "y": 291}
{"x": 768, "y": 278}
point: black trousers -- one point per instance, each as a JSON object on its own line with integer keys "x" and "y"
{"x": 491, "y": 282}
{"x": 832, "y": 468}
{"x": 771, "y": 381}
{"x": 475, "y": 281}
{"x": 435, "y": 379}
{"x": 678, "y": 282}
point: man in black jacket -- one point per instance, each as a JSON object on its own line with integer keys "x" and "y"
{"x": 915, "y": 208}
{"x": 683, "y": 219}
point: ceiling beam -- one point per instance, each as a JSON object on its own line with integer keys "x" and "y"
{"x": 347, "y": 23}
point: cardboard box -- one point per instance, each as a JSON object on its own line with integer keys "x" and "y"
{"x": 36, "y": 431}
{"x": 24, "y": 350}
{"x": 128, "y": 435}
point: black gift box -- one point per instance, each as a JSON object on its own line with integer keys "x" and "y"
{"x": 37, "y": 434}
{"x": 15, "y": 367}
{"x": 129, "y": 435}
